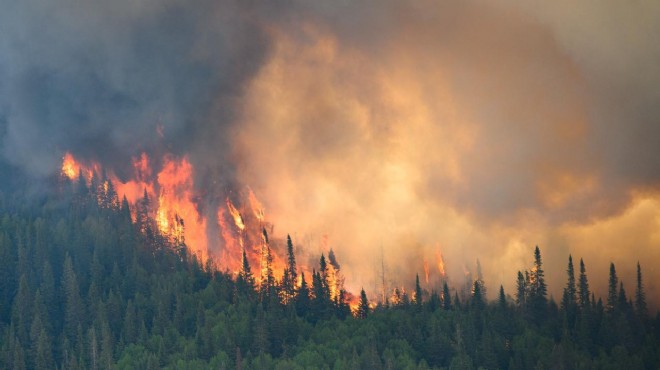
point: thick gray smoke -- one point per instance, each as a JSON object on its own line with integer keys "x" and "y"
{"x": 100, "y": 79}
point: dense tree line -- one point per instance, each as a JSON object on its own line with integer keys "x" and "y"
{"x": 83, "y": 285}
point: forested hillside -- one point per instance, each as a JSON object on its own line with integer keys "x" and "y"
{"x": 84, "y": 285}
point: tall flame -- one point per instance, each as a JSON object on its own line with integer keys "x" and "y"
{"x": 70, "y": 167}
{"x": 440, "y": 264}
{"x": 238, "y": 219}
{"x": 257, "y": 207}
{"x": 175, "y": 212}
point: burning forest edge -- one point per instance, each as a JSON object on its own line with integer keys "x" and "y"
{"x": 90, "y": 281}
{"x": 167, "y": 216}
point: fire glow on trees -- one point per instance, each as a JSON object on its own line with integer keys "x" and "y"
{"x": 171, "y": 201}
{"x": 173, "y": 207}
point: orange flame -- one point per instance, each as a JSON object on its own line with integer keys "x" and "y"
{"x": 176, "y": 214}
{"x": 441, "y": 264}
{"x": 426, "y": 270}
{"x": 175, "y": 203}
{"x": 257, "y": 207}
{"x": 70, "y": 167}
{"x": 238, "y": 219}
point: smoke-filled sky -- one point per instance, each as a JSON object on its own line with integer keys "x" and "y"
{"x": 392, "y": 129}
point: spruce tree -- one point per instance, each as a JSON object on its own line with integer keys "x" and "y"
{"x": 418, "y": 291}
{"x": 291, "y": 259}
{"x": 267, "y": 278}
{"x": 569, "y": 298}
{"x": 538, "y": 290}
{"x": 623, "y": 299}
{"x": 446, "y": 297}
{"x": 289, "y": 276}
{"x": 302, "y": 298}
{"x": 502, "y": 298}
{"x": 363, "y": 307}
{"x": 521, "y": 290}
{"x": 477, "y": 300}
{"x": 74, "y": 310}
{"x": 245, "y": 280}
{"x": 640, "y": 296}
{"x": 612, "y": 295}
{"x": 583, "y": 287}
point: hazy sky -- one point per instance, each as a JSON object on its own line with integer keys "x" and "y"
{"x": 474, "y": 129}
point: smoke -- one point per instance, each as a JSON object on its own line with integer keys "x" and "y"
{"x": 401, "y": 131}
{"x": 477, "y": 130}
{"x": 101, "y": 79}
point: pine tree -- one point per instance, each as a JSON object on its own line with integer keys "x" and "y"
{"x": 302, "y": 299}
{"x": 583, "y": 287}
{"x": 323, "y": 274}
{"x": 477, "y": 300}
{"x": 502, "y": 298}
{"x": 446, "y": 296}
{"x": 538, "y": 290}
{"x": 418, "y": 291}
{"x": 245, "y": 281}
{"x": 290, "y": 276}
{"x": 640, "y": 296}
{"x": 267, "y": 278}
{"x": 521, "y": 291}
{"x": 291, "y": 258}
{"x": 74, "y": 310}
{"x": 569, "y": 298}
{"x": 44, "y": 352}
{"x": 21, "y": 310}
{"x": 623, "y": 299}
{"x": 612, "y": 295}
{"x": 363, "y": 307}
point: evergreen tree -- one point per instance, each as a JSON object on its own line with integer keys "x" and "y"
{"x": 640, "y": 296}
{"x": 302, "y": 298}
{"x": 245, "y": 281}
{"x": 418, "y": 291}
{"x": 267, "y": 278}
{"x": 569, "y": 298}
{"x": 44, "y": 352}
{"x": 623, "y": 299}
{"x": 73, "y": 309}
{"x": 612, "y": 296}
{"x": 521, "y": 291}
{"x": 538, "y": 289}
{"x": 501, "y": 299}
{"x": 477, "y": 301}
{"x": 290, "y": 276}
{"x": 446, "y": 296}
{"x": 363, "y": 307}
{"x": 583, "y": 287}
{"x": 21, "y": 310}
{"x": 324, "y": 276}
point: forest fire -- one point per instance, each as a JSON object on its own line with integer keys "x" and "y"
{"x": 164, "y": 189}
{"x": 173, "y": 203}
{"x": 441, "y": 264}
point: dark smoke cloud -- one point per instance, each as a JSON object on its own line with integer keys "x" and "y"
{"x": 98, "y": 79}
